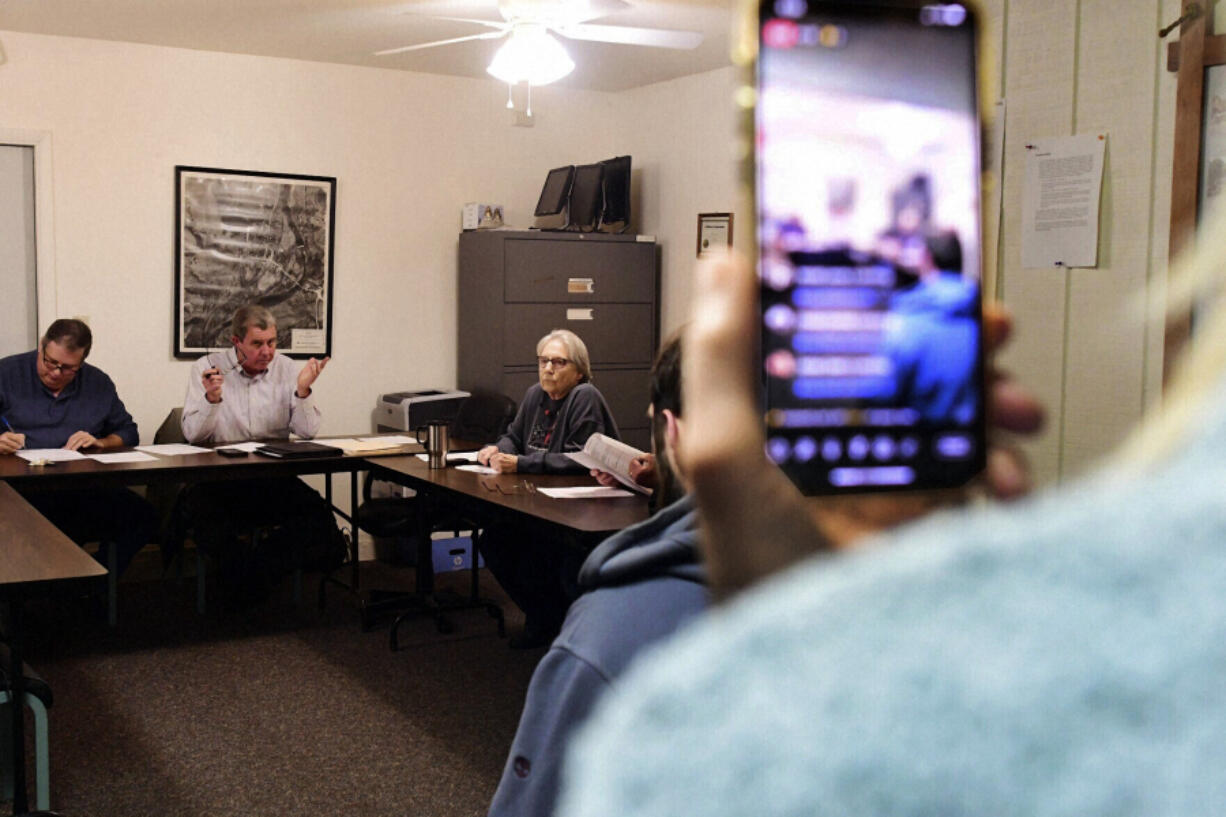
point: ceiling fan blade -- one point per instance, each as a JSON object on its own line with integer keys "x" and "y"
{"x": 501, "y": 25}
{"x": 489, "y": 35}
{"x": 629, "y": 35}
{"x": 559, "y": 12}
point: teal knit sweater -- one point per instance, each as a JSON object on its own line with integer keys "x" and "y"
{"x": 1064, "y": 656}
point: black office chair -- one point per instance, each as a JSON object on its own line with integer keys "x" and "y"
{"x": 175, "y": 527}
{"x": 481, "y": 419}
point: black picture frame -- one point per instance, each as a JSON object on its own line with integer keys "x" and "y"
{"x": 244, "y": 236}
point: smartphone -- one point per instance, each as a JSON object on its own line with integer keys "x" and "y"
{"x": 867, "y": 177}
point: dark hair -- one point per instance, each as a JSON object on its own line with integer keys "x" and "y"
{"x": 70, "y": 333}
{"x": 248, "y": 316}
{"x": 665, "y": 395}
{"x": 945, "y": 249}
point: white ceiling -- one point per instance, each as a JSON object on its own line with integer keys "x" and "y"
{"x": 350, "y": 31}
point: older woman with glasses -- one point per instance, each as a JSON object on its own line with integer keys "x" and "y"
{"x": 555, "y": 416}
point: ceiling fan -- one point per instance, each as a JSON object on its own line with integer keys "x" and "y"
{"x": 532, "y": 55}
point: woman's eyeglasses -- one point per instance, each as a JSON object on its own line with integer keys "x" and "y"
{"x": 558, "y": 362}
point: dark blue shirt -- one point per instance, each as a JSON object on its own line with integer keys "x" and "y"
{"x": 88, "y": 403}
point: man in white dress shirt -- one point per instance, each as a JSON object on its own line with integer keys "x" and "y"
{"x": 249, "y": 392}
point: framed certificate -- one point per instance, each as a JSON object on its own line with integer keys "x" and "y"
{"x": 714, "y": 232}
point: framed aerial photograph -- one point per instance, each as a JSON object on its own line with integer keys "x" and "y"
{"x": 251, "y": 237}
{"x": 714, "y": 232}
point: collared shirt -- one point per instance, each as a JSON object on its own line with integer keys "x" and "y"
{"x": 88, "y": 402}
{"x": 252, "y": 407}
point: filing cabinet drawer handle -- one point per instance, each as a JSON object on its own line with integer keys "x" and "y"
{"x": 581, "y": 286}
{"x": 580, "y": 314}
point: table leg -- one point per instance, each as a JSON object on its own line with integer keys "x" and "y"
{"x": 17, "y": 698}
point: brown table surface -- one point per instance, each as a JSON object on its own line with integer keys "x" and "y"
{"x": 33, "y": 554}
{"x": 193, "y": 467}
{"x": 33, "y": 551}
{"x": 583, "y": 516}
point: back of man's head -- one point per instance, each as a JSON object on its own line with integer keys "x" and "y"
{"x": 666, "y": 396}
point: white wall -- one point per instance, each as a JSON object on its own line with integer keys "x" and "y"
{"x": 1090, "y": 66}
{"x": 408, "y": 150}
{"x": 683, "y": 137}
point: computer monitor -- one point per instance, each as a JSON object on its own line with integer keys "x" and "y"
{"x": 615, "y": 182}
{"x": 556, "y": 192}
{"x": 586, "y": 198}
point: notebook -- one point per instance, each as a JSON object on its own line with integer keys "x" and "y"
{"x": 298, "y": 450}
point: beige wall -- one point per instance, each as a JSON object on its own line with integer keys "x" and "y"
{"x": 409, "y": 149}
{"x": 682, "y": 135}
{"x": 1095, "y": 65}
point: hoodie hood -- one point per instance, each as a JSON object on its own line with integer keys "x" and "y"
{"x": 664, "y": 545}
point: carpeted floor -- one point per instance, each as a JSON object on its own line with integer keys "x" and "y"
{"x": 274, "y": 710}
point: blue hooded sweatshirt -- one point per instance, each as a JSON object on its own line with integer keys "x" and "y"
{"x": 639, "y": 586}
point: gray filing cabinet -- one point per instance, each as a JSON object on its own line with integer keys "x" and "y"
{"x": 515, "y": 286}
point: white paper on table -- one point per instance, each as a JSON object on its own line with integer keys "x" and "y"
{"x": 393, "y": 439}
{"x": 249, "y": 447}
{"x": 476, "y": 469}
{"x": 584, "y": 492}
{"x": 172, "y": 449}
{"x": 352, "y": 445}
{"x": 122, "y": 456}
{"x": 1064, "y": 179}
{"x": 50, "y": 454}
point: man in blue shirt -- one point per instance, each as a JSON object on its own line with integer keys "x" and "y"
{"x": 52, "y": 398}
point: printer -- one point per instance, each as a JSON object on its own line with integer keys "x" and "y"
{"x": 409, "y": 410}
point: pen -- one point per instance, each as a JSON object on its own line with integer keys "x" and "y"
{"x": 8, "y": 425}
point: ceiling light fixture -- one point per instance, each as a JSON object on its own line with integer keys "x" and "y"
{"x": 530, "y": 55}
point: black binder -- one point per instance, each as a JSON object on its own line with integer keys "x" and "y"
{"x": 299, "y": 450}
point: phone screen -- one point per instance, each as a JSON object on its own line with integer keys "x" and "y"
{"x": 867, "y": 182}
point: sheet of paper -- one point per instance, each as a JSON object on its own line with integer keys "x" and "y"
{"x": 247, "y": 446}
{"x": 460, "y": 456}
{"x": 360, "y": 446}
{"x": 1064, "y": 179}
{"x": 476, "y": 469}
{"x": 50, "y": 454}
{"x": 584, "y": 492}
{"x": 172, "y": 449}
{"x": 391, "y": 439}
{"x": 123, "y": 456}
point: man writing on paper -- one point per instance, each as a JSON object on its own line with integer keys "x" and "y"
{"x": 250, "y": 392}
{"x": 52, "y": 398}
